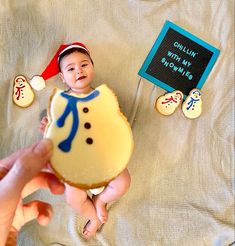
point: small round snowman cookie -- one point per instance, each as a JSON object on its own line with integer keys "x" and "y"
{"x": 168, "y": 103}
{"x": 23, "y": 94}
{"x": 192, "y": 106}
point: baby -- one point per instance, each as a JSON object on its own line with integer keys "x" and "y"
{"x": 77, "y": 71}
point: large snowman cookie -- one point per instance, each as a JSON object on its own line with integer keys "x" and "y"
{"x": 92, "y": 139}
{"x": 168, "y": 103}
{"x": 23, "y": 94}
{"x": 192, "y": 106}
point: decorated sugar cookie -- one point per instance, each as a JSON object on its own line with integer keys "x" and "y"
{"x": 92, "y": 139}
{"x": 192, "y": 106}
{"x": 168, "y": 103}
{"x": 23, "y": 94}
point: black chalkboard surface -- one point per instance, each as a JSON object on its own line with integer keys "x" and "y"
{"x": 178, "y": 60}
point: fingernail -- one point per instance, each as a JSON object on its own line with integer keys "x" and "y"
{"x": 43, "y": 147}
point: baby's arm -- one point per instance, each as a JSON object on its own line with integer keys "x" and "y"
{"x": 43, "y": 124}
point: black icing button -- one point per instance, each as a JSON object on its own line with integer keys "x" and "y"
{"x": 87, "y": 125}
{"x": 89, "y": 140}
{"x": 85, "y": 110}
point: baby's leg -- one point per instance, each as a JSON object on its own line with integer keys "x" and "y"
{"x": 80, "y": 201}
{"x": 115, "y": 189}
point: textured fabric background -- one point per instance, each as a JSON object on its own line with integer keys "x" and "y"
{"x": 182, "y": 170}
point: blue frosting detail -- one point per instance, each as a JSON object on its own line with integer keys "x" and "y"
{"x": 71, "y": 107}
{"x": 191, "y": 102}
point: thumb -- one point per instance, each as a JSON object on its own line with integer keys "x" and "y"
{"x": 28, "y": 165}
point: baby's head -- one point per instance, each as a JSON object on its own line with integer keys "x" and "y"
{"x": 67, "y": 52}
{"x": 74, "y": 65}
{"x": 76, "y": 69}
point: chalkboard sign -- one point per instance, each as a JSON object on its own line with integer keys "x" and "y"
{"x": 178, "y": 60}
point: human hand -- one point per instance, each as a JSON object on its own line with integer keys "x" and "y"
{"x": 20, "y": 176}
{"x": 43, "y": 124}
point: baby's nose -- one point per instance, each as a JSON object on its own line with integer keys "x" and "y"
{"x": 79, "y": 70}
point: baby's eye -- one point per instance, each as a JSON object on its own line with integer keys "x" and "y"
{"x": 84, "y": 65}
{"x": 71, "y": 69}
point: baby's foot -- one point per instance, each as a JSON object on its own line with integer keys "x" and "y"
{"x": 91, "y": 228}
{"x": 101, "y": 211}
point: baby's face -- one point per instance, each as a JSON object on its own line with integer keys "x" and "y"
{"x": 77, "y": 71}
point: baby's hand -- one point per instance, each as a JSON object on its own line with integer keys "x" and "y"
{"x": 43, "y": 124}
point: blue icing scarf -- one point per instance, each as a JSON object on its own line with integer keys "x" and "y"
{"x": 71, "y": 107}
{"x": 191, "y": 102}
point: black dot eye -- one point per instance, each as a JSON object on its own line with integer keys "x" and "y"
{"x": 87, "y": 125}
{"x": 89, "y": 140}
{"x": 85, "y": 110}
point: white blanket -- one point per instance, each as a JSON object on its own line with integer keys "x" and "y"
{"x": 182, "y": 170}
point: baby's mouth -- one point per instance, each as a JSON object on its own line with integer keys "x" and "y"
{"x": 82, "y": 77}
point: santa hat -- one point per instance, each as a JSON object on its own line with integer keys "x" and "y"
{"x": 52, "y": 69}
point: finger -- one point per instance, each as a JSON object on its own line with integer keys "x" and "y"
{"x": 28, "y": 165}
{"x": 36, "y": 210}
{"x": 44, "y": 122}
{"x": 44, "y": 180}
{"x": 41, "y": 130}
{"x": 44, "y": 119}
{"x": 7, "y": 162}
{"x": 45, "y": 215}
{"x": 43, "y": 125}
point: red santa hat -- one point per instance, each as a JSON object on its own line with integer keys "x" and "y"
{"x": 52, "y": 69}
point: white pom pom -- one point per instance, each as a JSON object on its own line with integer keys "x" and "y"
{"x": 38, "y": 83}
